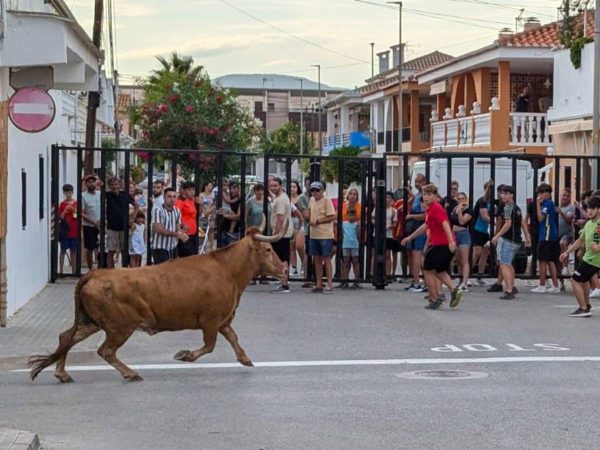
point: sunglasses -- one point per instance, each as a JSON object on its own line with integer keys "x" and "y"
{"x": 315, "y": 190}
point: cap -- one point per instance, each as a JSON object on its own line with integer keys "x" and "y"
{"x": 90, "y": 175}
{"x": 316, "y": 185}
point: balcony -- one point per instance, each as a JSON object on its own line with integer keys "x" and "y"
{"x": 529, "y": 129}
{"x": 352, "y": 139}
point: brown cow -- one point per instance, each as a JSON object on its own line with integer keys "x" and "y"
{"x": 199, "y": 292}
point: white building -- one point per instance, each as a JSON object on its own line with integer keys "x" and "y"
{"x": 41, "y": 43}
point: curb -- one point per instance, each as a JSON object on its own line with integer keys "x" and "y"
{"x": 16, "y": 362}
{"x": 18, "y": 440}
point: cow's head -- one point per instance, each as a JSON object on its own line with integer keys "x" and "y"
{"x": 268, "y": 261}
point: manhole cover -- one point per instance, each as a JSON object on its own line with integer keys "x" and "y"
{"x": 441, "y": 375}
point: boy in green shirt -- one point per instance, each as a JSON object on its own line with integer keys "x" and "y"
{"x": 589, "y": 266}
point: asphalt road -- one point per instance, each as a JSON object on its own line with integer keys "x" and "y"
{"x": 333, "y": 373}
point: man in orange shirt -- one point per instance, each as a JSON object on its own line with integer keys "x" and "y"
{"x": 187, "y": 205}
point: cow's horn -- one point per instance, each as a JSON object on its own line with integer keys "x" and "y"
{"x": 278, "y": 236}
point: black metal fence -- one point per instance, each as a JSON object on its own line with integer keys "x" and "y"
{"x": 367, "y": 174}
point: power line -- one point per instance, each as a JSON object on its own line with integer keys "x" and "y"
{"x": 507, "y": 7}
{"x": 439, "y": 16}
{"x": 298, "y": 38}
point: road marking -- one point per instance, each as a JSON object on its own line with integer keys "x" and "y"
{"x": 350, "y": 362}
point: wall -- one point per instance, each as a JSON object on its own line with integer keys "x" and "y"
{"x": 573, "y": 88}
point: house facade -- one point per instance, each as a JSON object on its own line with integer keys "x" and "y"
{"x": 41, "y": 44}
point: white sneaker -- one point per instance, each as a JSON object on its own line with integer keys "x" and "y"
{"x": 565, "y": 271}
{"x": 463, "y": 288}
{"x": 532, "y": 283}
{"x": 595, "y": 293}
{"x": 539, "y": 290}
{"x": 553, "y": 290}
{"x": 469, "y": 283}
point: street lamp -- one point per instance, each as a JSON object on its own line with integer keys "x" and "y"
{"x": 318, "y": 66}
{"x": 301, "y": 115}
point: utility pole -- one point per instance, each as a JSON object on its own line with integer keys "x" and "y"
{"x": 372, "y": 44}
{"x": 93, "y": 97}
{"x": 373, "y": 135}
{"x": 318, "y": 66}
{"x": 596, "y": 92}
{"x": 301, "y": 115}
{"x": 400, "y": 61}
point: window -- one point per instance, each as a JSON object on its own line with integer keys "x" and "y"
{"x": 41, "y": 187}
{"x": 23, "y": 198}
{"x": 258, "y": 106}
{"x": 271, "y": 107}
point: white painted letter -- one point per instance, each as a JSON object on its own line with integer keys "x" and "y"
{"x": 552, "y": 347}
{"x": 446, "y": 348}
{"x": 516, "y": 348}
{"x": 482, "y": 348}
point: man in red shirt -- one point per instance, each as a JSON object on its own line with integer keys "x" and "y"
{"x": 67, "y": 233}
{"x": 440, "y": 249}
{"x": 187, "y": 205}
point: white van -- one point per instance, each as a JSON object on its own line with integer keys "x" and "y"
{"x": 438, "y": 175}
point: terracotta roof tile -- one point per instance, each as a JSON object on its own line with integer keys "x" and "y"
{"x": 426, "y": 61}
{"x": 546, "y": 35}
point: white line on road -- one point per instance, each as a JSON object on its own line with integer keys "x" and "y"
{"x": 351, "y": 362}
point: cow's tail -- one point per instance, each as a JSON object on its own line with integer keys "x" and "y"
{"x": 37, "y": 363}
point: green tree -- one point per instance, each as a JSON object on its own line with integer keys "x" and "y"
{"x": 285, "y": 140}
{"x": 352, "y": 169}
{"x": 182, "y": 109}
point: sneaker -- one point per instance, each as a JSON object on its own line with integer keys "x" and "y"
{"x": 293, "y": 271}
{"x": 565, "y": 271}
{"x": 418, "y": 288}
{"x": 281, "y": 290}
{"x": 581, "y": 313}
{"x": 455, "y": 298}
{"x": 356, "y": 286}
{"x": 508, "y": 295}
{"x": 316, "y": 290}
{"x": 343, "y": 286}
{"x": 469, "y": 283}
{"x": 495, "y": 288}
{"x": 308, "y": 285}
{"x": 434, "y": 305}
{"x": 463, "y": 287}
{"x": 481, "y": 282}
{"x": 532, "y": 283}
{"x": 328, "y": 290}
{"x": 539, "y": 290}
{"x": 553, "y": 290}
{"x": 409, "y": 287}
{"x": 595, "y": 293}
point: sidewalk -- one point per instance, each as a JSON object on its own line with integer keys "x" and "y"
{"x": 36, "y": 326}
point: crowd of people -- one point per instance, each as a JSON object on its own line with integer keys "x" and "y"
{"x": 445, "y": 241}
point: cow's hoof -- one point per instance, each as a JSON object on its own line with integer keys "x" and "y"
{"x": 134, "y": 377}
{"x": 246, "y": 362}
{"x": 64, "y": 378}
{"x": 182, "y": 355}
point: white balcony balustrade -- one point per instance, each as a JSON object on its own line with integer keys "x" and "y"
{"x": 483, "y": 129}
{"x": 529, "y": 129}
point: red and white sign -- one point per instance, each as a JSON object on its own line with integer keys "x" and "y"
{"x": 31, "y": 109}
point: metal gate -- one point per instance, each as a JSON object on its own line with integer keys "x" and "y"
{"x": 365, "y": 173}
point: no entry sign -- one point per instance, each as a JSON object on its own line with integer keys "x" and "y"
{"x": 31, "y": 109}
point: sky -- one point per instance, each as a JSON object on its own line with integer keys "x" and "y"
{"x": 288, "y": 36}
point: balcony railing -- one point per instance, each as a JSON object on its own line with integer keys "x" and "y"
{"x": 529, "y": 129}
{"x": 354, "y": 139}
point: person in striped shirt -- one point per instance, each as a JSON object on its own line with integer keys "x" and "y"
{"x": 167, "y": 228}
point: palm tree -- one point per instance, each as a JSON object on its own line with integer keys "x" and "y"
{"x": 177, "y": 65}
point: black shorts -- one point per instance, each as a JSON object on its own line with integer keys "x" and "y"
{"x": 392, "y": 245}
{"x": 584, "y": 272}
{"x": 282, "y": 249}
{"x": 479, "y": 239}
{"x": 90, "y": 238}
{"x": 188, "y": 248}
{"x": 438, "y": 259}
{"x": 548, "y": 251}
{"x": 160, "y": 256}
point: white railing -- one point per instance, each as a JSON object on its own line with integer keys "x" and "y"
{"x": 529, "y": 129}
{"x": 451, "y": 132}
{"x": 483, "y": 129}
{"x": 438, "y": 134}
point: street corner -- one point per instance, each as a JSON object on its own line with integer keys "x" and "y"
{"x": 11, "y": 439}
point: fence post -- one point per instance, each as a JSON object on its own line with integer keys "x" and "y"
{"x": 55, "y": 214}
{"x": 150, "y": 207}
{"x": 380, "y": 217}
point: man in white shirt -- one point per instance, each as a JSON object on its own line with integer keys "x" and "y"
{"x": 90, "y": 200}
{"x": 281, "y": 214}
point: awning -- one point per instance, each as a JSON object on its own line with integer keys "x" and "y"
{"x": 438, "y": 88}
{"x": 570, "y": 126}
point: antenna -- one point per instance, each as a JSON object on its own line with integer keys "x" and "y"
{"x": 519, "y": 19}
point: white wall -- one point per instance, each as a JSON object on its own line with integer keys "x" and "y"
{"x": 572, "y": 87}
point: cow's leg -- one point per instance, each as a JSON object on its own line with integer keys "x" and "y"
{"x": 108, "y": 352}
{"x": 232, "y": 338}
{"x": 83, "y": 332}
{"x": 210, "y": 340}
